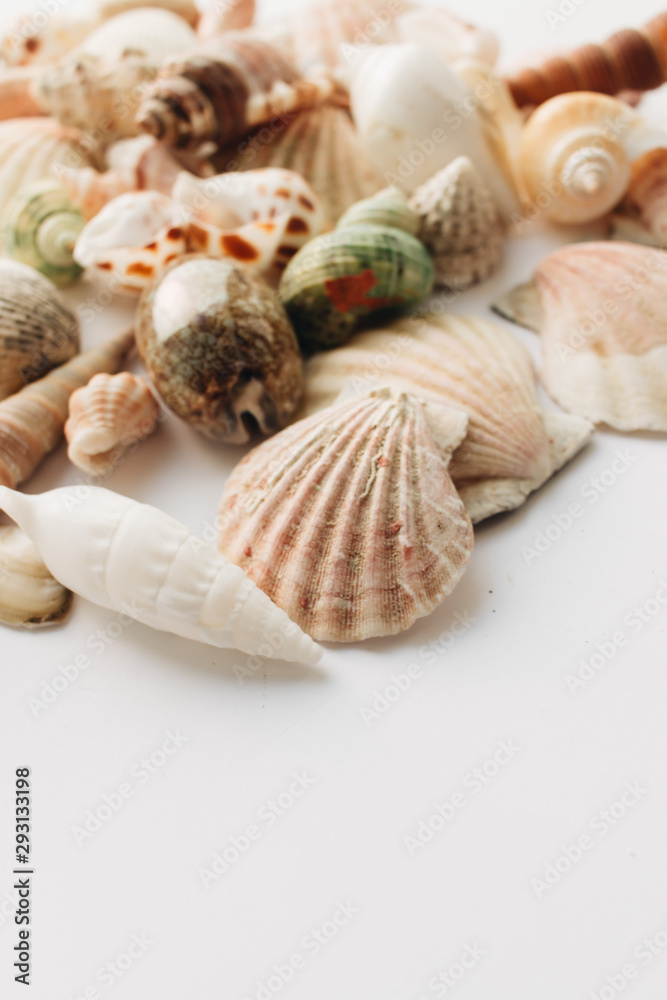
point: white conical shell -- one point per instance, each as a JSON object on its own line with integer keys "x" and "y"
{"x": 512, "y": 446}
{"x": 349, "y": 519}
{"x": 323, "y": 146}
{"x": 107, "y": 417}
{"x": 604, "y": 332}
{"x": 408, "y": 107}
{"x": 449, "y": 37}
{"x": 29, "y": 595}
{"x": 153, "y": 32}
{"x": 135, "y": 559}
{"x": 459, "y": 224}
{"x": 132, "y": 239}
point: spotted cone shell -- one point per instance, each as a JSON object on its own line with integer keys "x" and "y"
{"x": 349, "y": 519}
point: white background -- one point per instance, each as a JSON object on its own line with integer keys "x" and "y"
{"x": 503, "y": 679}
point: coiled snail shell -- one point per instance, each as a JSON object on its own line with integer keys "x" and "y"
{"x": 42, "y": 227}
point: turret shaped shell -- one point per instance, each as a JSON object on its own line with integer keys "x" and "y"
{"x": 602, "y": 314}
{"x": 340, "y": 278}
{"x": 41, "y": 227}
{"x": 215, "y": 95}
{"x": 133, "y": 558}
{"x": 108, "y": 417}
{"x": 219, "y": 348}
{"x": 32, "y": 421}
{"x": 572, "y": 157}
{"x": 37, "y": 330}
{"x": 459, "y": 225}
{"x": 29, "y": 595}
{"x": 132, "y": 239}
{"x": 349, "y": 519}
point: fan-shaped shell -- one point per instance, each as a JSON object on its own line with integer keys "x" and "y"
{"x": 37, "y": 330}
{"x": 29, "y": 147}
{"x": 132, "y": 239}
{"x": 210, "y": 97}
{"x": 150, "y": 31}
{"x": 642, "y": 215}
{"x": 259, "y": 218}
{"x": 349, "y": 518}
{"x": 107, "y": 417}
{"x": 572, "y": 157}
{"x": 29, "y": 595}
{"x": 458, "y": 223}
{"x": 603, "y": 323}
{"x": 32, "y": 420}
{"x": 219, "y": 349}
{"x": 512, "y": 445}
{"x": 41, "y": 227}
{"x": 322, "y": 145}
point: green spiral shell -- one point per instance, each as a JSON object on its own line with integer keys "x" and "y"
{"x": 386, "y": 208}
{"x": 41, "y": 228}
{"x": 336, "y": 280}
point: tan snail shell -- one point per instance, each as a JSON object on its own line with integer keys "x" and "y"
{"x": 572, "y": 159}
{"x": 107, "y": 417}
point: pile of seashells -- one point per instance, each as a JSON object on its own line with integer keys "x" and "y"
{"x": 280, "y": 201}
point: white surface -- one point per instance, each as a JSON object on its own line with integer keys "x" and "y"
{"x": 502, "y": 679}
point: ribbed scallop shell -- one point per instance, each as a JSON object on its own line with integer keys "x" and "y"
{"x": 37, "y": 330}
{"x": 41, "y": 227}
{"x": 603, "y": 323}
{"x": 259, "y": 218}
{"x": 106, "y": 418}
{"x": 132, "y": 239}
{"x": 32, "y": 420}
{"x": 349, "y": 520}
{"x": 340, "y": 278}
{"x": 642, "y": 215}
{"x": 322, "y": 145}
{"x": 29, "y": 595}
{"x": 216, "y": 94}
{"x": 459, "y": 225}
{"x": 29, "y": 147}
{"x": 155, "y": 33}
{"x": 512, "y": 446}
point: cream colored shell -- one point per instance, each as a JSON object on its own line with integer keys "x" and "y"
{"x": 29, "y": 595}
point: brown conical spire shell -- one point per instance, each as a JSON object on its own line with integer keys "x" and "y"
{"x": 216, "y": 94}
{"x": 32, "y": 421}
{"x": 632, "y": 59}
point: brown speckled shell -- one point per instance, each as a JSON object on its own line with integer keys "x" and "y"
{"x": 232, "y": 362}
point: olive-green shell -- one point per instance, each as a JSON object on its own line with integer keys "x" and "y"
{"x": 41, "y": 228}
{"x": 388, "y": 207}
{"x": 338, "y": 279}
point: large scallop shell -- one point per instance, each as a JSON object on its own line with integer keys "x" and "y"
{"x": 132, "y": 239}
{"x": 512, "y": 445}
{"x": 349, "y": 519}
{"x": 459, "y": 225}
{"x": 108, "y": 417}
{"x": 29, "y": 595}
{"x": 41, "y": 227}
{"x": 219, "y": 348}
{"x": 322, "y": 145}
{"x": 29, "y": 147}
{"x": 37, "y": 330}
{"x": 214, "y": 95}
{"x": 601, "y": 309}
{"x": 32, "y": 420}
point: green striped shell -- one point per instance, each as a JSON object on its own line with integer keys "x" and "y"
{"x": 340, "y": 278}
{"x": 41, "y": 228}
{"x": 386, "y": 208}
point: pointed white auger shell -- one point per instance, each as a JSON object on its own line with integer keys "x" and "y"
{"x": 133, "y": 558}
